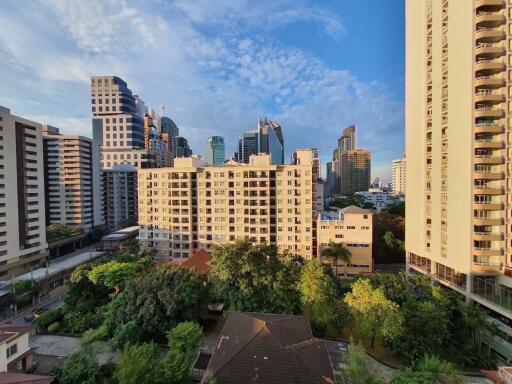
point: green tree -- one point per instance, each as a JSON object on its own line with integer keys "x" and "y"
{"x": 80, "y": 368}
{"x": 335, "y": 252}
{"x": 134, "y": 247}
{"x": 397, "y": 209}
{"x": 384, "y": 250}
{"x": 114, "y": 274}
{"x": 375, "y": 315}
{"x": 317, "y": 293}
{"x": 184, "y": 341}
{"x": 430, "y": 370}
{"x": 355, "y": 370}
{"x": 158, "y": 300}
{"x": 139, "y": 364}
{"x": 254, "y": 278}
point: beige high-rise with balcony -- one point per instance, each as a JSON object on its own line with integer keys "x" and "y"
{"x": 192, "y": 205}
{"x": 458, "y": 191}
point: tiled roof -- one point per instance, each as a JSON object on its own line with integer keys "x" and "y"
{"x": 16, "y": 378}
{"x": 200, "y": 261}
{"x": 8, "y": 331}
{"x": 354, "y": 209}
{"x": 267, "y": 349}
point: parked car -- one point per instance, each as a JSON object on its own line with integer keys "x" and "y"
{"x": 34, "y": 314}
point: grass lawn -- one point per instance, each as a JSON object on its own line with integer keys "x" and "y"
{"x": 379, "y": 352}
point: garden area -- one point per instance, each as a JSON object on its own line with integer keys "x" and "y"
{"x": 154, "y": 316}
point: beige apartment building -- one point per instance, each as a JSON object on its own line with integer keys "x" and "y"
{"x": 352, "y": 227}
{"x": 398, "y": 176}
{"x": 68, "y": 179}
{"x": 22, "y": 206}
{"x": 458, "y": 144}
{"x": 192, "y": 205}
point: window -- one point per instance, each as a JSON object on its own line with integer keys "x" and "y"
{"x": 12, "y": 350}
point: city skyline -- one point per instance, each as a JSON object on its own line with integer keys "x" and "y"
{"x": 230, "y": 80}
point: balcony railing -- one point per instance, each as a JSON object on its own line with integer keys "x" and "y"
{"x": 489, "y": 289}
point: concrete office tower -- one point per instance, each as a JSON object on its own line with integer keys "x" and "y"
{"x": 68, "y": 179}
{"x": 247, "y": 146}
{"x": 266, "y": 138}
{"x": 215, "y": 150}
{"x": 120, "y": 196}
{"x": 458, "y": 150}
{"x": 398, "y": 176}
{"x": 271, "y": 140}
{"x": 355, "y": 171}
{"x": 22, "y": 207}
{"x": 193, "y": 205}
{"x": 182, "y": 147}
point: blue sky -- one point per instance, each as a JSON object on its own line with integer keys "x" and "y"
{"x": 217, "y": 66}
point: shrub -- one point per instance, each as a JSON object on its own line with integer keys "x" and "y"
{"x": 48, "y": 318}
{"x": 92, "y": 335}
{"x": 54, "y": 327}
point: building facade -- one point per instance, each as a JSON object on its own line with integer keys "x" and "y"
{"x": 355, "y": 171}
{"x": 266, "y": 138}
{"x": 458, "y": 190}
{"x": 215, "y": 152}
{"x": 22, "y": 203}
{"x": 68, "y": 179}
{"x": 119, "y": 196}
{"x": 398, "y": 176}
{"x": 247, "y": 146}
{"x": 192, "y": 205}
{"x": 352, "y": 227}
{"x": 381, "y": 199}
{"x": 182, "y": 147}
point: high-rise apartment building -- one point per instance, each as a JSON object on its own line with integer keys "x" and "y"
{"x": 170, "y": 133}
{"x": 22, "y": 206}
{"x": 266, "y": 138}
{"x": 215, "y": 150}
{"x": 355, "y": 171}
{"x": 458, "y": 190}
{"x": 119, "y": 196}
{"x": 350, "y": 168}
{"x": 398, "y": 176}
{"x": 193, "y": 205}
{"x": 68, "y": 179}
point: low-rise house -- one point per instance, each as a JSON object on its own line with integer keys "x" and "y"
{"x": 353, "y": 228}
{"x": 270, "y": 349}
{"x": 381, "y": 199}
{"x": 15, "y": 351}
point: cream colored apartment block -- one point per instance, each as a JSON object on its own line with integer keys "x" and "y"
{"x": 68, "y": 179}
{"x": 458, "y": 146}
{"x": 398, "y": 176}
{"x": 192, "y": 205}
{"x": 352, "y": 227}
{"x": 22, "y": 206}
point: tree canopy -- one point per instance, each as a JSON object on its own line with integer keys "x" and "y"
{"x": 139, "y": 364}
{"x": 376, "y": 315}
{"x": 254, "y": 278}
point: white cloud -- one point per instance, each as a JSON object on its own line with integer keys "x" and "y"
{"x": 210, "y": 63}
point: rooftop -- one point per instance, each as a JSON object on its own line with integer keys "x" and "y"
{"x": 200, "y": 261}
{"x": 15, "y": 378}
{"x": 269, "y": 348}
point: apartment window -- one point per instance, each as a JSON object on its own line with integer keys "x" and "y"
{"x": 12, "y": 350}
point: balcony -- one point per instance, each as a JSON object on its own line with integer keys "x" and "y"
{"x": 489, "y": 35}
{"x": 488, "y": 206}
{"x": 488, "y": 112}
{"x": 488, "y": 236}
{"x": 488, "y": 256}
{"x": 489, "y": 19}
{"x": 489, "y": 289}
{"x": 487, "y": 221}
{"x": 489, "y": 96}
{"x": 489, "y": 175}
{"x": 488, "y": 128}
{"x": 489, "y": 51}
{"x": 489, "y": 159}
{"x": 490, "y": 81}
{"x": 488, "y": 144}
{"x": 490, "y": 66}
{"x": 490, "y": 4}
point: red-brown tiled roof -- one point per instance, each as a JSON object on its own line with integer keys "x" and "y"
{"x": 8, "y": 331}
{"x": 199, "y": 261}
{"x": 18, "y": 378}
{"x": 269, "y": 349}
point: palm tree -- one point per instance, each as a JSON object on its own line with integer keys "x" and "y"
{"x": 337, "y": 251}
